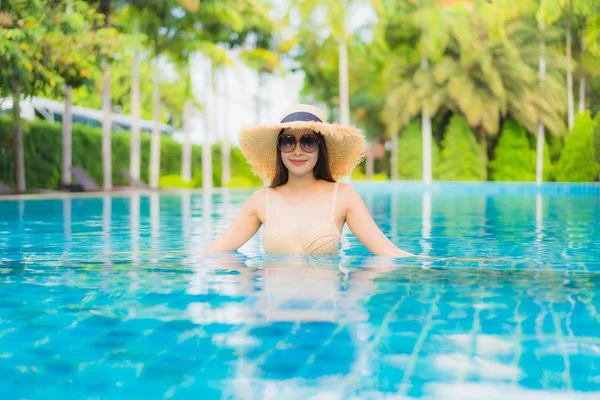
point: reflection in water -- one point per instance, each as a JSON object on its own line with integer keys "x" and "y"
{"x": 310, "y": 326}
{"x": 155, "y": 215}
{"x": 67, "y": 224}
{"x": 107, "y": 227}
{"x": 394, "y": 217}
{"x": 134, "y": 221}
{"x": 426, "y": 223}
{"x": 21, "y": 210}
{"x": 539, "y": 212}
{"x": 207, "y": 210}
{"x": 226, "y": 195}
{"x": 304, "y": 318}
{"x": 186, "y": 215}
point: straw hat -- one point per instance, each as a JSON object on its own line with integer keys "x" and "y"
{"x": 345, "y": 145}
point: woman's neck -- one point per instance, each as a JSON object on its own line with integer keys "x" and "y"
{"x": 301, "y": 183}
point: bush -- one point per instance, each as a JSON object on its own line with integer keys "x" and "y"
{"x": 410, "y": 153}
{"x": 597, "y": 137}
{"x": 43, "y": 155}
{"x": 514, "y": 158}
{"x": 241, "y": 181}
{"x": 577, "y": 162}
{"x": 174, "y": 182}
{"x": 358, "y": 175}
{"x": 460, "y": 156}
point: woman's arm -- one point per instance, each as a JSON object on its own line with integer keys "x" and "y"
{"x": 363, "y": 226}
{"x": 242, "y": 228}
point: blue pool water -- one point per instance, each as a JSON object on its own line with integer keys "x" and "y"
{"x": 107, "y": 297}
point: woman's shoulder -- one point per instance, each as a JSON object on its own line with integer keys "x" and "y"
{"x": 345, "y": 189}
{"x": 259, "y": 195}
{"x": 256, "y": 202}
{"x": 347, "y": 195}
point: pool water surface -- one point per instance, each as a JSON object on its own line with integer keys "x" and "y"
{"x": 109, "y": 297}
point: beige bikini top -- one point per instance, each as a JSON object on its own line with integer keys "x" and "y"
{"x": 320, "y": 237}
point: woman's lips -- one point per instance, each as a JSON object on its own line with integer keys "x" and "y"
{"x": 297, "y": 162}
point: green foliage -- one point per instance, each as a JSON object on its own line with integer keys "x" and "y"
{"x": 174, "y": 181}
{"x": 410, "y": 153}
{"x": 358, "y": 175}
{"x": 460, "y": 158}
{"x": 578, "y": 161}
{"x": 597, "y": 137}
{"x": 42, "y": 44}
{"x": 43, "y": 150}
{"x": 514, "y": 159}
{"x": 22, "y": 62}
{"x": 242, "y": 181}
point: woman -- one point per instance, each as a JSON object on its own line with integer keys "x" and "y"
{"x": 304, "y": 209}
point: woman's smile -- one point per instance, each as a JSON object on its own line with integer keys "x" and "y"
{"x": 298, "y": 162}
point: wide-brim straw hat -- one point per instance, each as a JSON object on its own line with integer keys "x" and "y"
{"x": 345, "y": 144}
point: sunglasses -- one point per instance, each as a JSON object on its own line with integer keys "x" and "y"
{"x": 308, "y": 143}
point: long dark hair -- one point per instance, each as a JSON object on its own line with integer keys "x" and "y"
{"x": 320, "y": 171}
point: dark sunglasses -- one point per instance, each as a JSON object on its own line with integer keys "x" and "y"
{"x": 308, "y": 143}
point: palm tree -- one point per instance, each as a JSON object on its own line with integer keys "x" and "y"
{"x": 481, "y": 77}
{"x": 336, "y": 14}
{"x": 160, "y": 24}
{"x": 413, "y": 90}
{"x": 528, "y": 36}
{"x": 77, "y": 38}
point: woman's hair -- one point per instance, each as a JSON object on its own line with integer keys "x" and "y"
{"x": 321, "y": 170}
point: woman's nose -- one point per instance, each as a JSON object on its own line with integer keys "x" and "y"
{"x": 297, "y": 148}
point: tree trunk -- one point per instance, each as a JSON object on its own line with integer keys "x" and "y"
{"x": 225, "y": 144}
{"x": 104, "y": 8}
{"x": 258, "y": 110}
{"x": 483, "y": 150}
{"x": 186, "y": 156}
{"x": 539, "y": 159}
{"x": 67, "y": 142}
{"x": 155, "y": 143}
{"x": 570, "y": 100}
{"x": 539, "y": 164}
{"x": 344, "y": 87}
{"x": 370, "y": 167}
{"x": 106, "y": 129}
{"x": 18, "y": 140}
{"x": 206, "y": 145}
{"x": 483, "y": 145}
{"x": 67, "y": 131}
{"x": 426, "y": 133}
{"x": 394, "y": 166}
{"x": 581, "y": 79}
{"x": 135, "y": 151}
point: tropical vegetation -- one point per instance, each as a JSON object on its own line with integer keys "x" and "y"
{"x": 454, "y": 89}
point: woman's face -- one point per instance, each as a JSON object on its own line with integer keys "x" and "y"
{"x": 299, "y": 161}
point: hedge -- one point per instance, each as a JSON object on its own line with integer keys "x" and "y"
{"x": 577, "y": 161}
{"x": 514, "y": 159}
{"x": 597, "y": 137}
{"x": 410, "y": 153}
{"x": 460, "y": 156}
{"x": 43, "y": 155}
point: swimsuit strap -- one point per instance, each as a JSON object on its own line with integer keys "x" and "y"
{"x": 267, "y": 205}
{"x": 333, "y": 200}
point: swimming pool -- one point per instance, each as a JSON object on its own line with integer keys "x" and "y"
{"x": 107, "y": 297}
